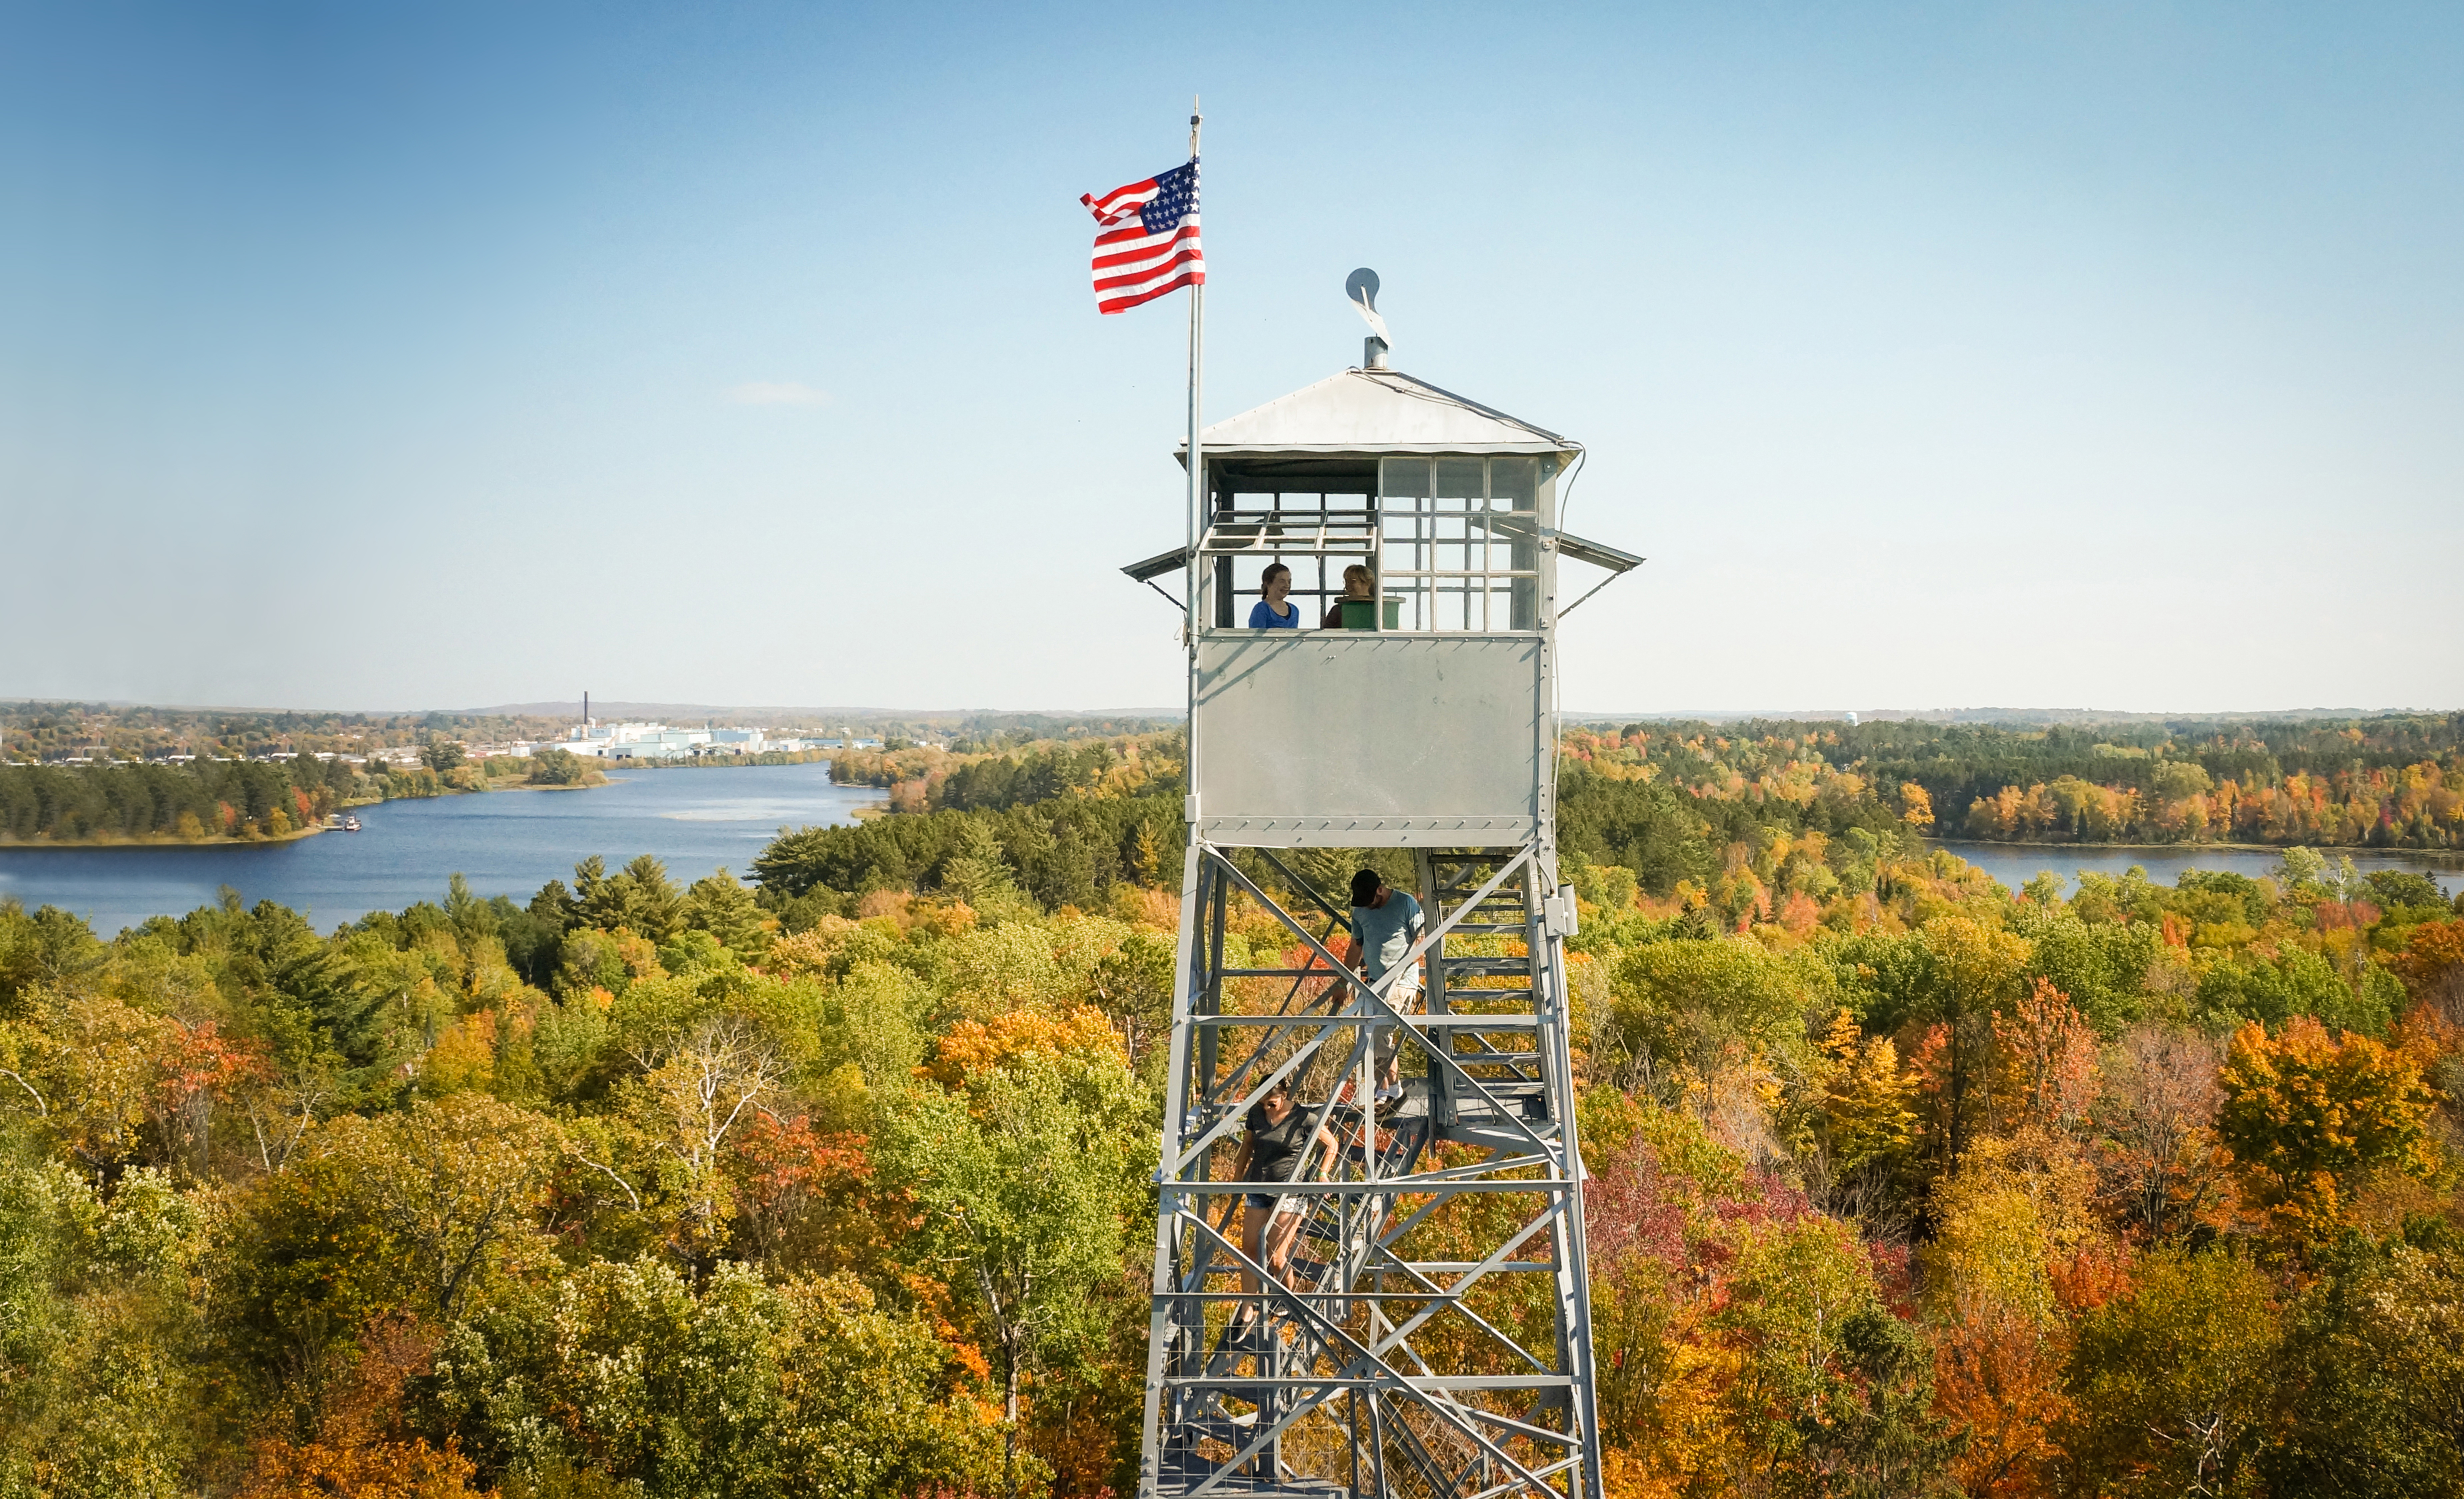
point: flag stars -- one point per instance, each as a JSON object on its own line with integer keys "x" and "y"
{"x": 1147, "y": 240}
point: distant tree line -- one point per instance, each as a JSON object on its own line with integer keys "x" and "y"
{"x": 242, "y": 799}
{"x": 1003, "y": 782}
{"x": 210, "y": 799}
{"x": 1049, "y": 817}
{"x": 1666, "y": 834}
{"x": 2395, "y": 781}
{"x": 45, "y": 732}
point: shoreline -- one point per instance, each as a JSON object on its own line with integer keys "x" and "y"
{"x": 477, "y": 791}
{"x": 170, "y": 840}
{"x": 2444, "y": 860}
{"x": 219, "y": 840}
{"x": 768, "y": 759}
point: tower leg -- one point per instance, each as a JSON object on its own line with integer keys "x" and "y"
{"x": 1161, "y": 1332}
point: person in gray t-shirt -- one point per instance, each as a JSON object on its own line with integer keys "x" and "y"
{"x": 1385, "y": 923}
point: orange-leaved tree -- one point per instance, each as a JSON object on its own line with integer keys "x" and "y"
{"x": 2049, "y": 1059}
{"x": 358, "y": 1450}
{"x": 2308, "y": 1114}
{"x": 803, "y": 1197}
{"x": 2012, "y": 1224}
{"x": 975, "y": 1046}
{"x": 2431, "y": 966}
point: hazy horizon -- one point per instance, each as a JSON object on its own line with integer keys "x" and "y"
{"x": 618, "y": 709}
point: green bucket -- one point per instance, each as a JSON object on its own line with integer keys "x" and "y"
{"x": 1357, "y": 614}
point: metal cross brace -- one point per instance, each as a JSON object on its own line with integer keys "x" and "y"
{"x": 1373, "y": 1004}
{"x": 1363, "y": 1362}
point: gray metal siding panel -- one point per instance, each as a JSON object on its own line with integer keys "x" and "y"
{"x": 1392, "y": 729}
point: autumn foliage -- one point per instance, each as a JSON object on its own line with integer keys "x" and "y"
{"x": 357, "y": 1448}
{"x": 1899, "y": 1182}
{"x": 2310, "y": 1116}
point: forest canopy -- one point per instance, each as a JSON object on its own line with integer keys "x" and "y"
{"x": 1901, "y": 1180}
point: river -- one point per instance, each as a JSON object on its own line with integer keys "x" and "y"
{"x": 503, "y": 843}
{"x": 2015, "y": 864}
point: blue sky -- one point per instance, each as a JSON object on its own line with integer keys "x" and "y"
{"x": 1937, "y": 356}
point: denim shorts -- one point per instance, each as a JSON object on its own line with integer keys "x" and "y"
{"x": 1274, "y": 1199}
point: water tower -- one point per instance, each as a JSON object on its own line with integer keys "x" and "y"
{"x": 1426, "y": 1331}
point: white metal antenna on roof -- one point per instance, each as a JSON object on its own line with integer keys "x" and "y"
{"x": 1361, "y": 289}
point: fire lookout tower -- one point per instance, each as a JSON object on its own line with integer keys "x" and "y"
{"x": 1420, "y": 1328}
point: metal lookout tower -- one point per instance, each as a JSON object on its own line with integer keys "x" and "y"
{"x": 1426, "y": 1329}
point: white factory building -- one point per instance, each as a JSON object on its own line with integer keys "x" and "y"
{"x": 646, "y": 741}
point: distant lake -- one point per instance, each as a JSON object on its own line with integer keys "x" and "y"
{"x": 503, "y": 843}
{"x": 2015, "y": 864}
{"x": 694, "y": 821}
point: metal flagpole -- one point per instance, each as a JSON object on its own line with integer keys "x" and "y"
{"x": 1161, "y": 1331}
{"x": 1197, "y": 479}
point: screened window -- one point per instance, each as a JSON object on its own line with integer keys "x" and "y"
{"x": 1315, "y": 532}
{"x": 1457, "y": 541}
{"x": 1448, "y": 543}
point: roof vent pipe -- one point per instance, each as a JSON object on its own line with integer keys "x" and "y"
{"x": 1360, "y": 289}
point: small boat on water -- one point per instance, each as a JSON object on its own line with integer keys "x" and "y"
{"x": 350, "y": 824}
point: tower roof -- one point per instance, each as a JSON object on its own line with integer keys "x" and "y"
{"x": 1377, "y": 411}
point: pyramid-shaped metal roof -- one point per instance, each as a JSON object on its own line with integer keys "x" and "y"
{"x": 1377, "y": 411}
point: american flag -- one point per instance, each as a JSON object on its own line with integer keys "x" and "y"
{"x": 1146, "y": 239}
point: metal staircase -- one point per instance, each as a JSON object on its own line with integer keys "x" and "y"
{"x": 1428, "y": 1336}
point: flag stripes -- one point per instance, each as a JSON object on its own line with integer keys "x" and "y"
{"x": 1146, "y": 239}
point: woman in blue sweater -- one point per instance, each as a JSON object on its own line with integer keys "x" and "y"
{"x": 1272, "y": 613}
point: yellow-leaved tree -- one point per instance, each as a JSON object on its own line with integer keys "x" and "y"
{"x": 2309, "y": 1115}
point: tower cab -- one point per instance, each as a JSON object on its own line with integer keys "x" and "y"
{"x": 1419, "y": 711}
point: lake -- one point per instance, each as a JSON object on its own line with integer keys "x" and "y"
{"x": 694, "y": 821}
{"x": 2016, "y": 864}
{"x": 503, "y": 843}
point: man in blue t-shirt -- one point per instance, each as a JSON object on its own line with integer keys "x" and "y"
{"x": 1385, "y": 923}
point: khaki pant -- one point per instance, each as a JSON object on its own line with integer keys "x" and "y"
{"x": 1405, "y": 997}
